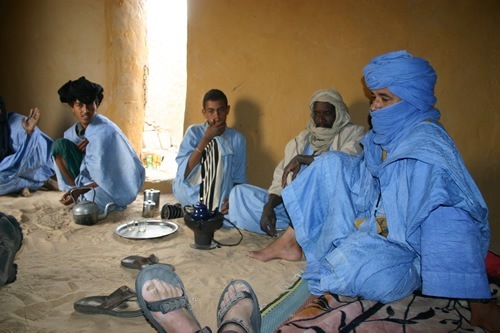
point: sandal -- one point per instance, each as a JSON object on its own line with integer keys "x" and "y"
{"x": 138, "y": 262}
{"x": 163, "y": 273}
{"x": 255, "y": 318}
{"x": 119, "y": 304}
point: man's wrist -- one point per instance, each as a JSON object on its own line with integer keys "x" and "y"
{"x": 268, "y": 206}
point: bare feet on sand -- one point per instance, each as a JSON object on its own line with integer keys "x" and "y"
{"x": 175, "y": 321}
{"x": 485, "y": 315}
{"x": 51, "y": 185}
{"x": 26, "y": 192}
{"x": 285, "y": 247}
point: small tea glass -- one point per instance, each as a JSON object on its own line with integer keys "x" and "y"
{"x": 131, "y": 225}
{"x": 142, "y": 224}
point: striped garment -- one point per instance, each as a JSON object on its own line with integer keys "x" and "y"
{"x": 212, "y": 174}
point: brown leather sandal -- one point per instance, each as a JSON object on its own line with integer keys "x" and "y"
{"x": 138, "y": 262}
{"x": 120, "y": 303}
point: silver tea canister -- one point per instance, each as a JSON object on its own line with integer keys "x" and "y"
{"x": 148, "y": 208}
{"x": 153, "y": 195}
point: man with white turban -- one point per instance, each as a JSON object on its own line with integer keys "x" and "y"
{"x": 403, "y": 216}
{"x": 329, "y": 129}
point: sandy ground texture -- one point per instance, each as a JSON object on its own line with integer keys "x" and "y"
{"x": 61, "y": 262}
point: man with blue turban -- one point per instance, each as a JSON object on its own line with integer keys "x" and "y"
{"x": 403, "y": 216}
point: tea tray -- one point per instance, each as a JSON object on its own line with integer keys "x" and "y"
{"x": 154, "y": 229}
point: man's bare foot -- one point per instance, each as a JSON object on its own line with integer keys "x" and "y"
{"x": 174, "y": 321}
{"x": 51, "y": 185}
{"x": 285, "y": 247}
{"x": 26, "y": 192}
{"x": 485, "y": 315}
{"x": 239, "y": 310}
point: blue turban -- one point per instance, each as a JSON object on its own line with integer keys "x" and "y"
{"x": 410, "y": 78}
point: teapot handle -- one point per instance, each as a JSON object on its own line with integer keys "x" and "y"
{"x": 80, "y": 188}
{"x": 188, "y": 209}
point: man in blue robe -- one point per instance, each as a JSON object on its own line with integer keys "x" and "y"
{"x": 25, "y": 163}
{"x": 405, "y": 215}
{"x": 95, "y": 153}
{"x": 212, "y": 157}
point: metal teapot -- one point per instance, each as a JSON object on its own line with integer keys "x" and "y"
{"x": 87, "y": 212}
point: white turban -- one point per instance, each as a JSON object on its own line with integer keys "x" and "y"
{"x": 321, "y": 138}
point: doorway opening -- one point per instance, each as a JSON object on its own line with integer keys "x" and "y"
{"x": 165, "y": 87}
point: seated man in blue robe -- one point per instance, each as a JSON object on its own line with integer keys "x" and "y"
{"x": 95, "y": 153}
{"x": 25, "y": 162}
{"x": 329, "y": 128}
{"x": 212, "y": 157}
{"x": 405, "y": 215}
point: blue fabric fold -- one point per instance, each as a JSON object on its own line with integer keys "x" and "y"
{"x": 30, "y": 163}
{"x": 423, "y": 173}
{"x": 232, "y": 145}
{"x": 110, "y": 161}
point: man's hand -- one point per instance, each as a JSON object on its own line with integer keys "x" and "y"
{"x": 294, "y": 167}
{"x": 268, "y": 221}
{"x": 29, "y": 123}
{"x": 67, "y": 198}
{"x": 214, "y": 129}
{"x": 224, "y": 208}
{"x": 82, "y": 145}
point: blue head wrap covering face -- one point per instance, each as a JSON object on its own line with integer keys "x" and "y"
{"x": 411, "y": 79}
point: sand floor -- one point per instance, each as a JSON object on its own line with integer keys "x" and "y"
{"x": 61, "y": 262}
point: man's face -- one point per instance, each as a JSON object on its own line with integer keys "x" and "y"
{"x": 85, "y": 113}
{"x": 215, "y": 111}
{"x": 382, "y": 98}
{"x": 323, "y": 114}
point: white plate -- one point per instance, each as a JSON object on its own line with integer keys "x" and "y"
{"x": 154, "y": 229}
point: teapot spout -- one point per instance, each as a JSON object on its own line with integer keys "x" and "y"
{"x": 106, "y": 210}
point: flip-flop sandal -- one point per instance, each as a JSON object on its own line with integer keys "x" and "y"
{"x": 11, "y": 239}
{"x": 138, "y": 262}
{"x": 163, "y": 273}
{"x": 120, "y": 303}
{"x": 255, "y": 318}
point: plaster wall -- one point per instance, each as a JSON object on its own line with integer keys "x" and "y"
{"x": 269, "y": 56}
{"x": 45, "y": 43}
